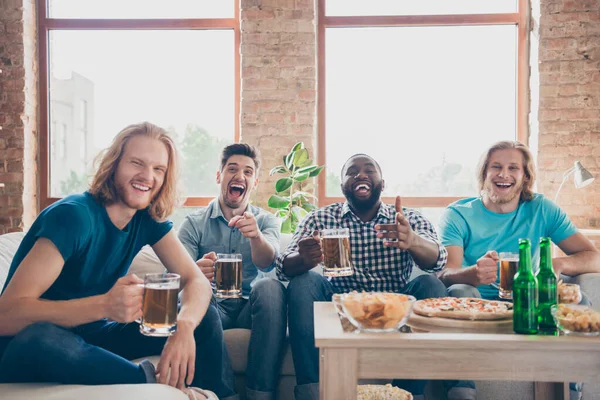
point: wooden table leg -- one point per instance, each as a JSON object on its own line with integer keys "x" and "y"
{"x": 551, "y": 391}
{"x": 338, "y": 373}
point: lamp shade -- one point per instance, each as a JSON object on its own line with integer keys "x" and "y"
{"x": 582, "y": 176}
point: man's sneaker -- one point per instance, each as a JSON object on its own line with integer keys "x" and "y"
{"x": 194, "y": 393}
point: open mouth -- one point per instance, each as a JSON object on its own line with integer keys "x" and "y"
{"x": 362, "y": 189}
{"x": 236, "y": 190}
{"x": 139, "y": 187}
{"x": 503, "y": 185}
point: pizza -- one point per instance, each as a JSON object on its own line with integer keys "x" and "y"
{"x": 468, "y": 308}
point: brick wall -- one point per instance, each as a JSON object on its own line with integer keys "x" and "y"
{"x": 569, "y": 109}
{"x": 278, "y": 108}
{"x": 279, "y": 97}
{"x": 18, "y": 114}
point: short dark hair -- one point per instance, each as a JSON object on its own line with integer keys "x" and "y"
{"x": 360, "y": 155}
{"x": 240, "y": 149}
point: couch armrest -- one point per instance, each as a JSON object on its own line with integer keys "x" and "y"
{"x": 590, "y": 285}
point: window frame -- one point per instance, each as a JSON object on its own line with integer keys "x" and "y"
{"x": 521, "y": 19}
{"x": 47, "y": 24}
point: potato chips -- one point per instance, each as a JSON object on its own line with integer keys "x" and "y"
{"x": 377, "y": 310}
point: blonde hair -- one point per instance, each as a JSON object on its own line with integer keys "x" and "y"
{"x": 528, "y": 166}
{"x": 103, "y": 186}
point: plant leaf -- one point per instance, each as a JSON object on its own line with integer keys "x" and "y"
{"x": 308, "y": 168}
{"x": 280, "y": 169}
{"x": 299, "y": 213}
{"x": 283, "y": 184}
{"x": 298, "y": 146}
{"x": 303, "y": 194}
{"x": 309, "y": 207}
{"x": 317, "y": 171}
{"x": 300, "y": 177}
{"x": 286, "y": 225}
{"x": 300, "y": 157}
{"x": 276, "y": 201}
{"x": 289, "y": 160}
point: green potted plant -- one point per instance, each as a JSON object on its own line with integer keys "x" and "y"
{"x": 291, "y": 200}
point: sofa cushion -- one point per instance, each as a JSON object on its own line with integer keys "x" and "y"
{"x": 146, "y": 262}
{"x": 51, "y": 391}
{"x": 9, "y": 244}
{"x": 237, "y": 341}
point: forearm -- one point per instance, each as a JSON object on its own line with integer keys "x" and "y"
{"x": 425, "y": 252}
{"x": 580, "y": 263}
{"x": 454, "y": 276}
{"x": 18, "y": 313}
{"x": 263, "y": 253}
{"x": 195, "y": 299}
{"x": 294, "y": 265}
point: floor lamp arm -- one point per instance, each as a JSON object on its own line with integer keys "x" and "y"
{"x": 565, "y": 176}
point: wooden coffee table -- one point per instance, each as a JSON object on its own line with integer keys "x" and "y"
{"x": 549, "y": 361}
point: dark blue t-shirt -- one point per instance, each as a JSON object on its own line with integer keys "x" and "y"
{"x": 96, "y": 252}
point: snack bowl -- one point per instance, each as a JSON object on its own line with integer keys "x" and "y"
{"x": 569, "y": 293}
{"x": 376, "y": 311}
{"x": 577, "y": 320}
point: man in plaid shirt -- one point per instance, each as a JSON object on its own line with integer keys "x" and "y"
{"x": 386, "y": 242}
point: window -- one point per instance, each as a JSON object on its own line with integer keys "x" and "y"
{"x": 107, "y": 64}
{"x": 423, "y": 87}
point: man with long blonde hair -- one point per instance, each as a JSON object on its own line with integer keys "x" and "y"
{"x": 67, "y": 305}
{"x": 475, "y": 230}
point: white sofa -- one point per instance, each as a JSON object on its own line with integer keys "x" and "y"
{"x": 237, "y": 343}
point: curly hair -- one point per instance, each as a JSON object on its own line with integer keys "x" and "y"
{"x": 528, "y": 166}
{"x": 103, "y": 186}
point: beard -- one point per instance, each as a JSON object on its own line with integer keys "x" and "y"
{"x": 136, "y": 204}
{"x": 504, "y": 198}
{"x": 363, "y": 204}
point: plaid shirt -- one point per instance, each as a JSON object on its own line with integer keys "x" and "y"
{"x": 376, "y": 267}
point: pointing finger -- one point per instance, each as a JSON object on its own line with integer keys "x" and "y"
{"x": 399, "y": 205}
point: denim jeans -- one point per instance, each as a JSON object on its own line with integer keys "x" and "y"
{"x": 265, "y": 314}
{"x": 303, "y": 290}
{"x": 98, "y": 353}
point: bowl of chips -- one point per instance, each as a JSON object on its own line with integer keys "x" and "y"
{"x": 577, "y": 320}
{"x": 377, "y": 311}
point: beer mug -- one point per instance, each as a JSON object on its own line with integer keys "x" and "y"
{"x": 509, "y": 264}
{"x": 159, "y": 307}
{"x": 337, "y": 260}
{"x": 228, "y": 276}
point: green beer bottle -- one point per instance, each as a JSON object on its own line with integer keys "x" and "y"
{"x": 525, "y": 293}
{"x": 547, "y": 288}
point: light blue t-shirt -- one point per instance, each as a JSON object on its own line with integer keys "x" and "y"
{"x": 207, "y": 230}
{"x": 467, "y": 223}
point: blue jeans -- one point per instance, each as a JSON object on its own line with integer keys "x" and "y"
{"x": 265, "y": 314}
{"x": 98, "y": 353}
{"x": 303, "y": 290}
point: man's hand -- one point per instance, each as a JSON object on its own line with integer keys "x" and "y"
{"x": 399, "y": 234}
{"x": 246, "y": 224}
{"x": 124, "y": 299}
{"x": 207, "y": 265}
{"x": 310, "y": 250}
{"x": 486, "y": 269}
{"x": 178, "y": 357}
